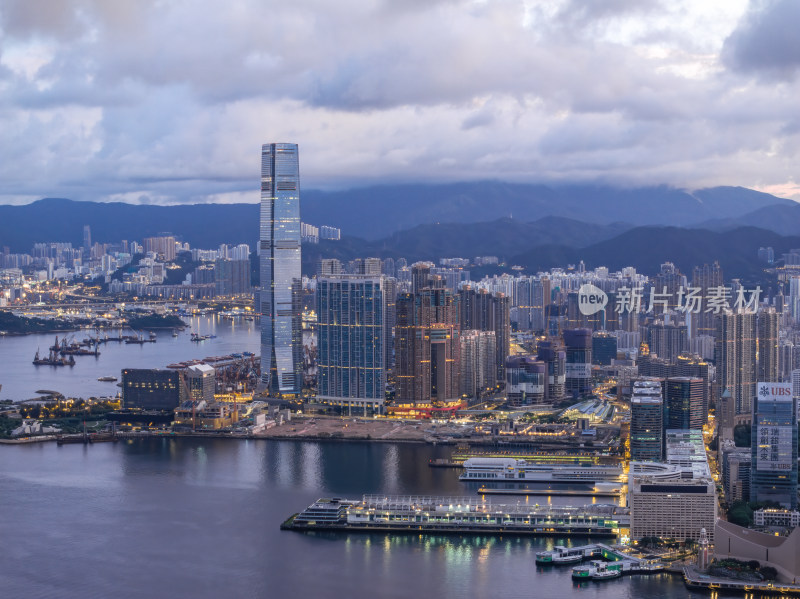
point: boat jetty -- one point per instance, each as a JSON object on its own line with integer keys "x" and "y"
{"x": 457, "y": 515}
{"x": 606, "y": 562}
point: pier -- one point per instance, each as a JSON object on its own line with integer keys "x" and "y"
{"x": 697, "y": 580}
{"x": 457, "y": 515}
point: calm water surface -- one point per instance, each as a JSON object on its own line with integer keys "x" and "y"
{"x": 20, "y": 379}
{"x": 200, "y": 518}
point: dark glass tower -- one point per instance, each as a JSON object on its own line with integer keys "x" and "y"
{"x": 773, "y": 474}
{"x": 281, "y": 306}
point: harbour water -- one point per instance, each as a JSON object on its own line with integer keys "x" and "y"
{"x": 20, "y": 379}
{"x": 200, "y": 518}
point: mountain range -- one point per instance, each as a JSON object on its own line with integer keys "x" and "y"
{"x": 377, "y": 213}
{"x": 546, "y": 227}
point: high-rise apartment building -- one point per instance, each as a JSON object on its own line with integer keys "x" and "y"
{"x": 478, "y": 371}
{"x": 427, "y": 347}
{"x": 705, "y": 277}
{"x": 667, "y": 340}
{"x": 768, "y": 361}
{"x": 484, "y": 311}
{"x": 279, "y": 249}
{"x": 351, "y": 333}
{"x": 735, "y": 357}
{"x": 163, "y": 246}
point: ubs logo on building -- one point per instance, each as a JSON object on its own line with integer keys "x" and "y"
{"x": 775, "y": 391}
{"x": 591, "y": 299}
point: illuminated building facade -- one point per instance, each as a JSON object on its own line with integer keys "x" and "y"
{"x": 351, "y": 338}
{"x": 281, "y": 306}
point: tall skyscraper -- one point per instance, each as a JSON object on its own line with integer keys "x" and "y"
{"x": 684, "y": 403}
{"x": 578, "y": 344}
{"x": 281, "y": 301}
{"x": 427, "y": 347}
{"x": 647, "y": 422}
{"x": 773, "y": 475}
{"x": 735, "y": 357}
{"x": 768, "y": 361}
{"x": 87, "y": 239}
{"x": 351, "y": 372}
{"x": 705, "y": 277}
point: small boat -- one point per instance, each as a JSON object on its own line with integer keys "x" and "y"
{"x": 174, "y": 333}
{"x": 107, "y": 379}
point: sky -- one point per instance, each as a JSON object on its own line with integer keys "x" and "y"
{"x": 169, "y": 101}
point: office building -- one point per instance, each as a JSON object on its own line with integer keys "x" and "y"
{"x": 578, "y": 350}
{"x": 201, "y": 382}
{"x": 683, "y": 403}
{"x": 555, "y": 358}
{"x": 279, "y": 249}
{"x": 773, "y": 475}
{"x": 526, "y": 381}
{"x": 148, "y": 389}
{"x": 736, "y": 464}
{"x": 647, "y": 421}
{"x": 604, "y": 348}
{"x": 351, "y": 338}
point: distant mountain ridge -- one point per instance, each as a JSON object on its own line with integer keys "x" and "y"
{"x": 377, "y": 213}
{"x": 780, "y": 218}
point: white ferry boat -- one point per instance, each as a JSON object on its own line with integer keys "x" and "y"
{"x": 514, "y": 470}
{"x": 597, "y": 570}
{"x": 559, "y": 555}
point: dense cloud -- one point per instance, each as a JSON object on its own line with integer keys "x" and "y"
{"x": 767, "y": 41}
{"x": 163, "y": 102}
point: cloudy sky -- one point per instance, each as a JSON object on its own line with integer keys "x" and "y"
{"x": 168, "y": 101}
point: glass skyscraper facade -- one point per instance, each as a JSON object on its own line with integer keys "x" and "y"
{"x": 279, "y": 248}
{"x": 773, "y": 474}
{"x": 351, "y": 346}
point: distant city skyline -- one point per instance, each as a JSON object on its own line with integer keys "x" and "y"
{"x": 114, "y": 102}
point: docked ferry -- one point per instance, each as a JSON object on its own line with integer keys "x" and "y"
{"x": 559, "y": 555}
{"x": 598, "y": 570}
{"x": 514, "y": 470}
